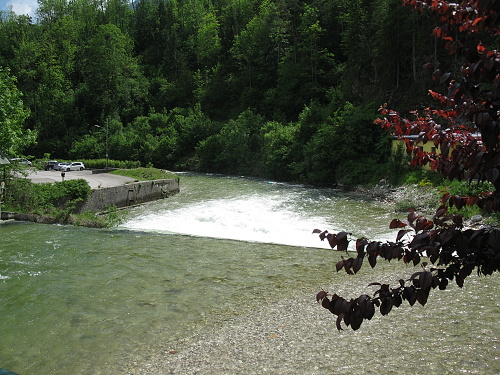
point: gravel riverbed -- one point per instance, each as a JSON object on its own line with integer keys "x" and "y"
{"x": 283, "y": 338}
{"x": 297, "y": 336}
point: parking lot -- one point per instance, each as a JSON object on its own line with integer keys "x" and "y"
{"x": 96, "y": 181}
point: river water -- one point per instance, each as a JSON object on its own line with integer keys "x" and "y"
{"x": 87, "y": 301}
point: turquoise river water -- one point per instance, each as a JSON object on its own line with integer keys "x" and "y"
{"x": 87, "y": 301}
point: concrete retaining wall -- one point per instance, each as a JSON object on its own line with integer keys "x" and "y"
{"x": 130, "y": 194}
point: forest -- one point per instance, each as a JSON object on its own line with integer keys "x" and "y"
{"x": 282, "y": 89}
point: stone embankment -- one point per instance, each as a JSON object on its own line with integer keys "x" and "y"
{"x": 130, "y": 194}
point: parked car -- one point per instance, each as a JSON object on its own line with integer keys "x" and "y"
{"x": 61, "y": 166}
{"x": 75, "y": 166}
{"x": 50, "y": 165}
{"x": 22, "y": 161}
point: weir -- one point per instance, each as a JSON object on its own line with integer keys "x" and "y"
{"x": 130, "y": 194}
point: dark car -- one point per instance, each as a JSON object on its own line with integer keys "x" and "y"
{"x": 50, "y": 165}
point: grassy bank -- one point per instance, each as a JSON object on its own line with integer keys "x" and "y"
{"x": 145, "y": 174}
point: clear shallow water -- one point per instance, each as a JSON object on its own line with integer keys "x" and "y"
{"x": 81, "y": 301}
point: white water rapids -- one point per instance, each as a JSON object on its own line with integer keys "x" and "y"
{"x": 262, "y": 211}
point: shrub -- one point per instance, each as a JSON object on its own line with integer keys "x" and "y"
{"x": 25, "y": 196}
{"x": 101, "y": 164}
{"x": 145, "y": 174}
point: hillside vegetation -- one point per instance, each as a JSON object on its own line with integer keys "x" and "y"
{"x": 282, "y": 89}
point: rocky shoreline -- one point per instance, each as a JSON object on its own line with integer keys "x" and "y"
{"x": 423, "y": 199}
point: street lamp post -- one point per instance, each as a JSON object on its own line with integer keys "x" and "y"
{"x": 107, "y": 135}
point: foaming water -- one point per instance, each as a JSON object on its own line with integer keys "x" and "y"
{"x": 260, "y": 211}
{"x": 247, "y": 219}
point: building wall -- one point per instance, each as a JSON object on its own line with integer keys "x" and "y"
{"x": 427, "y": 147}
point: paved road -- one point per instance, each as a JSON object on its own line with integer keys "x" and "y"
{"x": 96, "y": 181}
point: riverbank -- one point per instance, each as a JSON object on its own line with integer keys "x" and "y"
{"x": 421, "y": 198}
{"x": 109, "y": 192}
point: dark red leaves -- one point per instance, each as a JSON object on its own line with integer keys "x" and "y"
{"x": 351, "y": 265}
{"x": 372, "y": 259}
{"x": 445, "y": 245}
{"x": 422, "y": 296}
{"x": 351, "y": 312}
{"x": 360, "y": 246}
{"x": 401, "y": 234}
{"x": 356, "y": 264}
{"x": 428, "y": 66}
{"x": 321, "y": 295}
{"x": 332, "y": 240}
{"x": 386, "y": 306}
{"x": 410, "y": 294}
{"x": 422, "y": 279}
{"x": 342, "y": 241}
{"x": 464, "y": 128}
{"x": 395, "y": 223}
{"x": 366, "y": 306}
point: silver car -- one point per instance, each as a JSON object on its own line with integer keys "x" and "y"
{"x": 21, "y": 161}
{"x": 75, "y": 166}
{"x": 61, "y": 166}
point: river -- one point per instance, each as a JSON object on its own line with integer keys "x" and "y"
{"x": 88, "y": 301}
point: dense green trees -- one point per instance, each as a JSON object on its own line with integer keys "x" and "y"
{"x": 262, "y": 87}
{"x": 14, "y": 138}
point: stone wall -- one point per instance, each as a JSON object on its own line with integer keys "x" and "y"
{"x": 130, "y": 194}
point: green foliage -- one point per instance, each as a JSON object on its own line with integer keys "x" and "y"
{"x": 144, "y": 174}
{"x": 88, "y": 146}
{"x": 278, "y": 149}
{"x": 398, "y": 166}
{"x": 271, "y": 88}
{"x": 417, "y": 176}
{"x": 465, "y": 188}
{"x": 21, "y": 195}
{"x": 362, "y": 171}
{"x": 26, "y": 196}
{"x": 236, "y": 148}
{"x": 101, "y": 163}
{"x": 113, "y": 77}
{"x": 343, "y": 147}
{"x": 191, "y": 126}
{"x": 14, "y": 137}
{"x": 111, "y": 218}
{"x": 114, "y": 217}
